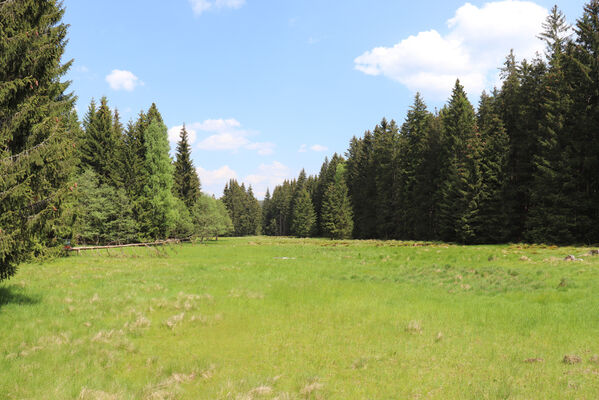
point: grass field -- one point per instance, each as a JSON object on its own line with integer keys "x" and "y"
{"x": 266, "y": 318}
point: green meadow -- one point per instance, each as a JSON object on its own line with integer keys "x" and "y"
{"x": 278, "y": 318}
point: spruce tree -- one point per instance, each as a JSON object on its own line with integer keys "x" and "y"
{"x": 158, "y": 203}
{"x": 303, "y": 215}
{"x": 267, "y": 215}
{"x": 460, "y": 191}
{"x": 361, "y": 185}
{"x": 35, "y": 143}
{"x": 581, "y": 149}
{"x": 385, "y": 152}
{"x": 417, "y": 182}
{"x": 491, "y": 226}
{"x": 550, "y": 217}
{"x": 319, "y": 193}
{"x": 187, "y": 183}
{"x": 133, "y": 159}
{"x": 118, "y": 173}
{"x": 298, "y": 188}
{"x": 243, "y": 207}
{"x": 280, "y": 206}
{"x": 254, "y": 212}
{"x": 519, "y": 104}
{"x": 337, "y": 221}
{"x": 101, "y": 144}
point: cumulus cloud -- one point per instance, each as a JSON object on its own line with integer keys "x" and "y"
{"x": 175, "y": 132}
{"x": 123, "y": 80}
{"x": 479, "y": 38}
{"x": 222, "y": 134}
{"x": 268, "y": 176}
{"x": 224, "y": 141}
{"x": 213, "y": 181}
{"x": 263, "y": 148}
{"x": 201, "y": 6}
{"x": 318, "y": 148}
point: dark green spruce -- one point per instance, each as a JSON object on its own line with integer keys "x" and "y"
{"x": 187, "y": 183}
{"x": 36, "y": 135}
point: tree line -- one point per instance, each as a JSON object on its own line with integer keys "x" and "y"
{"x": 63, "y": 181}
{"x": 129, "y": 188}
{"x": 523, "y": 166}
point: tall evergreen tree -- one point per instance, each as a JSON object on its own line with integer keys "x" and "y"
{"x": 35, "y": 142}
{"x": 519, "y": 105}
{"x": 118, "y": 158}
{"x": 318, "y": 193}
{"x": 549, "y": 217}
{"x": 362, "y": 187}
{"x": 385, "y": 159}
{"x": 298, "y": 188}
{"x": 267, "y": 216}
{"x": 490, "y": 225}
{"x": 187, "y": 183}
{"x": 417, "y": 185}
{"x": 243, "y": 207}
{"x": 100, "y": 146}
{"x": 158, "y": 202}
{"x": 133, "y": 158}
{"x": 462, "y": 180}
{"x": 303, "y": 215}
{"x": 337, "y": 222}
{"x": 254, "y": 212}
{"x": 280, "y": 207}
{"x": 581, "y": 149}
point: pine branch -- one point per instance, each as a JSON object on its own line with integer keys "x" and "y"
{"x": 14, "y": 158}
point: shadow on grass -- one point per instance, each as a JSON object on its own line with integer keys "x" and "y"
{"x": 14, "y": 295}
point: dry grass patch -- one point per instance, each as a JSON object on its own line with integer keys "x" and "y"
{"x": 414, "y": 327}
{"x": 571, "y": 359}
{"x": 534, "y": 360}
{"x": 175, "y": 320}
{"x": 90, "y": 394}
{"x": 311, "y": 388}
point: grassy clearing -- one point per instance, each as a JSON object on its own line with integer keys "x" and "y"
{"x": 263, "y": 318}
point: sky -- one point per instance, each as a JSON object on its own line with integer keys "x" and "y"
{"x": 266, "y": 88}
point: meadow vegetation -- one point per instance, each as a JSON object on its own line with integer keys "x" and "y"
{"x": 279, "y": 318}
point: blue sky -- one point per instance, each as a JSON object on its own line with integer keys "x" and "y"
{"x": 270, "y": 87}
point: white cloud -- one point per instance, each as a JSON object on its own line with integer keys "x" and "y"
{"x": 477, "y": 43}
{"x": 318, "y": 148}
{"x": 267, "y": 176}
{"x": 201, "y": 6}
{"x": 123, "y": 80}
{"x": 224, "y": 141}
{"x": 175, "y": 131}
{"x": 223, "y": 134}
{"x": 315, "y": 147}
{"x": 263, "y": 148}
{"x": 218, "y": 125}
{"x": 213, "y": 181}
